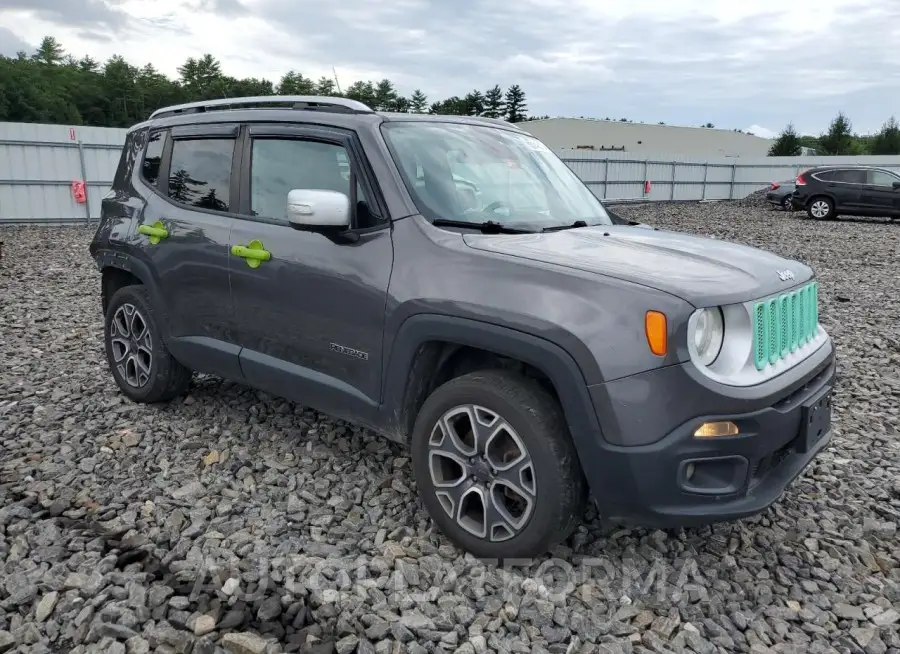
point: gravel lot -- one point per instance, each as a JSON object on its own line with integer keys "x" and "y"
{"x": 234, "y": 521}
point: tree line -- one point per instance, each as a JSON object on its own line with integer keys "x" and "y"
{"x": 52, "y": 86}
{"x": 840, "y": 139}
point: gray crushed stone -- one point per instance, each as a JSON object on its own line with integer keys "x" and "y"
{"x": 232, "y": 521}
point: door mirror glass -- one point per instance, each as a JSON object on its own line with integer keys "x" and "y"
{"x": 896, "y": 185}
{"x": 318, "y": 208}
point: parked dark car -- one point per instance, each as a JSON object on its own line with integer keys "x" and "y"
{"x": 779, "y": 194}
{"x": 825, "y": 192}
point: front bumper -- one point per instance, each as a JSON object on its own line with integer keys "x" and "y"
{"x": 733, "y": 477}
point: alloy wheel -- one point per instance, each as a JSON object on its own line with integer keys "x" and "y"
{"x": 819, "y": 209}
{"x": 132, "y": 345}
{"x": 482, "y": 473}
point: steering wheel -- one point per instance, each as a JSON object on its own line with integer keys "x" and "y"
{"x": 497, "y": 204}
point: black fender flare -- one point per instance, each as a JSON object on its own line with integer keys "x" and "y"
{"x": 130, "y": 264}
{"x": 555, "y": 362}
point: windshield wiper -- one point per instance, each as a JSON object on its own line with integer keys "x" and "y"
{"x": 486, "y": 227}
{"x": 559, "y": 228}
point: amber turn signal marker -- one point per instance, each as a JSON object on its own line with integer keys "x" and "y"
{"x": 657, "y": 333}
{"x": 716, "y": 429}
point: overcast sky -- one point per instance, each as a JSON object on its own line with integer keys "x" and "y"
{"x": 756, "y": 64}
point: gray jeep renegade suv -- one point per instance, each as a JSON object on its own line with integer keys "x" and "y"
{"x": 450, "y": 284}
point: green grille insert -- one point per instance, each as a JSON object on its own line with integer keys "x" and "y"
{"x": 784, "y": 323}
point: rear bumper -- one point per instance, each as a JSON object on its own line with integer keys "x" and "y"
{"x": 681, "y": 481}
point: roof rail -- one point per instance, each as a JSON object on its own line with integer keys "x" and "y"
{"x": 311, "y": 102}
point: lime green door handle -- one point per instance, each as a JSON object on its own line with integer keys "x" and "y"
{"x": 253, "y": 252}
{"x": 156, "y": 232}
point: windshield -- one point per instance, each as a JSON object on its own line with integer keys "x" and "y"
{"x": 476, "y": 173}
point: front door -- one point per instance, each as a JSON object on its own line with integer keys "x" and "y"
{"x": 879, "y": 197}
{"x": 310, "y": 317}
{"x": 184, "y": 232}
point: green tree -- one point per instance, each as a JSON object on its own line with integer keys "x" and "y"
{"x": 453, "y": 106}
{"x": 516, "y": 109}
{"x": 49, "y": 51}
{"x": 494, "y": 107}
{"x": 838, "y": 140}
{"x": 385, "y": 98}
{"x": 293, "y": 83}
{"x": 362, "y": 92}
{"x": 887, "y": 140}
{"x": 326, "y": 86}
{"x": 787, "y": 144}
{"x": 474, "y": 103}
{"x": 418, "y": 102}
{"x": 52, "y": 86}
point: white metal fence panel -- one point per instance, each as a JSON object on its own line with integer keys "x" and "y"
{"x": 38, "y": 164}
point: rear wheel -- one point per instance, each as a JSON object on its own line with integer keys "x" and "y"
{"x": 820, "y": 208}
{"x": 786, "y": 203}
{"x": 140, "y": 362}
{"x": 495, "y": 465}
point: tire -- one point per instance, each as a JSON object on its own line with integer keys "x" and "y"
{"x": 142, "y": 366}
{"x": 786, "y": 203}
{"x": 506, "y": 406}
{"x": 820, "y": 208}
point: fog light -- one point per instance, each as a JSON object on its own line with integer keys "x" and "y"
{"x": 716, "y": 429}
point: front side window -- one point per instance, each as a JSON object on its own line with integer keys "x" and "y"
{"x": 476, "y": 173}
{"x": 881, "y": 178}
{"x": 200, "y": 173}
{"x": 152, "y": 157}
{"x": 278, "y": 166}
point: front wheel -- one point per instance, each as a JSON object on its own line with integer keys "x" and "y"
{"x": 495, "y": 465}
{"x": 820, "y": 208}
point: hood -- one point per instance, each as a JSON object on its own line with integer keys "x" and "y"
{"x": 702, "y": 271}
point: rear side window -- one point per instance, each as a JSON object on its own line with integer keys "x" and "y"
{"x": 852, "y": 176}
{"x": 152, "y": 158}
{"x": 200, "y": 173}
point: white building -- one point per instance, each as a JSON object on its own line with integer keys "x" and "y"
{"x": 600, "y": 135}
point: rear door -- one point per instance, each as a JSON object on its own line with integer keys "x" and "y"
{"x": 184, "y": 237}
{"x": 845, "y": 185}
{"x": 879, "y": 197}
{"x": 310, "y": 318}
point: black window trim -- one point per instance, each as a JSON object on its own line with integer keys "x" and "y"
{"x": 838, "y": 170}
{"x": 194, "y": 133}
{"x": 360, "y": 169}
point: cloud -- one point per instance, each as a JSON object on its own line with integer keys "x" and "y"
{"x": 10, "y": 44}
{"x": 764, "y": 132}
{"x": 687, "y": 62}
{"x": 92, "y": 13}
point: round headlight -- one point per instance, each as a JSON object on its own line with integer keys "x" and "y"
{"x": 708, "y": 335}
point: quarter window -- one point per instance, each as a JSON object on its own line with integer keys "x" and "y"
{"x": 278, "y": 166}
{"x": 200, "y": 173}
{"x": 881, "y": 178}
{"x": 152, "y": 157}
